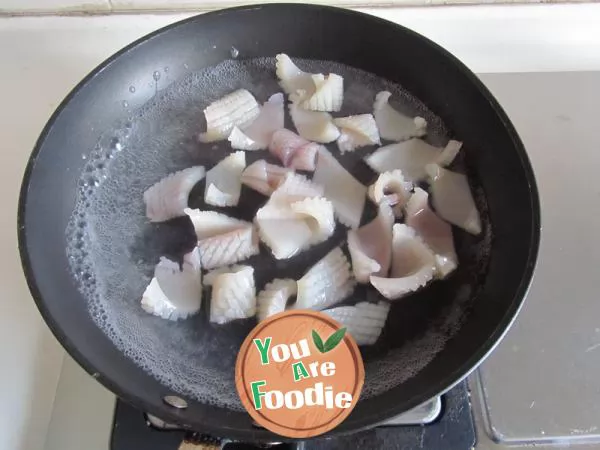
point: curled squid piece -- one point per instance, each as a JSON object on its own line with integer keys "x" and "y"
{"x": 274, "y": 297}
{"x": 370, "y": 246}
{"x": 175, "y": 293}
{"x": 294, "y": 151}
{"x": 411, "y": 157}
{"x": 233, "y": 295}
{"x": 452, "y": 198}
{"x": 413, "y": 265}
{"x": 356, "y": 131}
{"x": 326, "y": 93}
{"x": 314, "y": 125}
{"x": 326, "y": 283}
{"x": 343, "y": 190}
{"x": 257, "y": 135}
{"x": 223, "y": 182}
{"x": 222, "y": 240}
{"x": 168, "y": 198}
{"x": 317, "y": 213}
{"x": 238, "y": 109}
{"x": 264, "y": 177}
{"x": 435, "y": 232}
{"x": 391, "y": 188}
{"x": 364, "y": 321}
{"x": 393, "y": 125}
{"x": 315, "y": 92}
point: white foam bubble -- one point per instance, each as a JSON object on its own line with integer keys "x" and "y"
{"x": 112, "y": 248}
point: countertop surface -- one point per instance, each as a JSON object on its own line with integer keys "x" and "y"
{"x": 552, "y": 101}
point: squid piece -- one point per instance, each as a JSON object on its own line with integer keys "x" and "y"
{"x": 317, "y": 213}
{"x": 168, "y": 198}
{"x": 364, "y": 321}
{"x": 315, "y": 92}
{"x": 258, "y": 134}
{"x": 274, "y": 297}
{"x": 238, "y": 109}
{"x": 356, "y": 131}
{"x": 435, "y": 232}
{"x": 452, "y": 198}
{"x": 314, "y": 125}
{"x": 175, "y": 293}
{"x": 295, "y": 187}
{"x": 391, "y": 188}
{"x": 291, "y": 78}
{"x": 413, "y": 265}
{"x": 286, "y": 236}
{"x": 211, "y": 276}
{"x": 223, "y": 182}
{"x": 264, "y": 177}
{"x": 326, "y": 283}
{"x": 233, "y": 295}
{"x": 345, "y": 192}
{"x": 222, "y": 240}
{"x": 370, "y": 246}
{"x": 294, "y": 151}
{"x": 393, "y": 125}
{"x": 326, "y": 94}
{"x": 411, "y": 157}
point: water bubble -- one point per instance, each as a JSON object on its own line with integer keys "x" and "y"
{"x": 185, "y": 66}
{"x": 125, "y": 103}
{"x": 214, "y": 47}
{"x": 115, "y": 144}
{"x": 234, "y": 52}
{"x": 166, "y": 69}
{"x": 83, "y": 157}
{"x": 132, "y": 89}
{"x": 156, "y": 75}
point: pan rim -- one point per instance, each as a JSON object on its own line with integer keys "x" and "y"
{"x": 352, "y": 423}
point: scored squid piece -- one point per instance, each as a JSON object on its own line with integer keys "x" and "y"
{"x": 175, "y": 293}
{"x": 264, "y": 177}
{"x": 363, "y": 321}
{"x": 223, "y": 181}
{"x": 222, "y": 240}
{"x": 168, "y": 198}
{"x": 274, "y": 297}
{"x": 315, "y": 92}
{"x": 393, "y": 125}
{"x": 356, "y": 131}
{"x": 452, "y": 198}
{"x": 326, "y": 283}
{"x": 411, "y": 157}
{"x": 237, "y": 109}
{"x": 413, "y": 265}
{"x": 435, "y": 232}
{"x": 370, "y": 246}
{"x": 317, "y": 213}
{"x": 257, "y": 135}
{"x": 391, "y": 188}
{"x": 343, "y": 190}
{"x": 233, "y": 295}
{"x": 294, "y": 151}
{"x": 296, "y": 187}
{"x": 314, "y": 125}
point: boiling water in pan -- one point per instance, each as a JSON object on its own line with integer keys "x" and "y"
{"x": 113, "y": 248}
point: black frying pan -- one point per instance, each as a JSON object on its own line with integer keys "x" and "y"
{"x": 470, "y": 311}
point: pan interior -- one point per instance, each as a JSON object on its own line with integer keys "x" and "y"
{"x": 112, "y": 248}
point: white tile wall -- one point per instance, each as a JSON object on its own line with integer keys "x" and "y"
{"x": 19, "y": 7}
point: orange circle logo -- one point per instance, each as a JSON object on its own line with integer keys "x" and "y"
{"x": 299, "y": 374}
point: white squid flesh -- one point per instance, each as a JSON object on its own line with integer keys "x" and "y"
{"x": 411, "y": 157}
{"x": 175, "y": 293}
{"x": 370, "y": 246}
{"x": 223, "y": 181}
{"x": 257, "y": 135}
{"x": 274, "y": 297}
{"x": 393, "y": 125}
{"x": 435, "y": 232}
{"x": 343, "y": 190}
{"x": 356, "y": 131}
{"x": 168, "y": 198}
{"x": 413, "y": 265}
{"x": 452, "y": 198}
{"x": 315, "y": 126}
{"x": 325, "y": 94}
{"x": 326, "y": 283}
{"x": 264, "y": 177}
{"x": 291, "y": 78}
{"x": 294, "y": 151}
{"x": 393, "y": 189}
{"x": 237, "y": 109}
{"x": 233, "y": 295}
{"x": 364, "y": 321}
